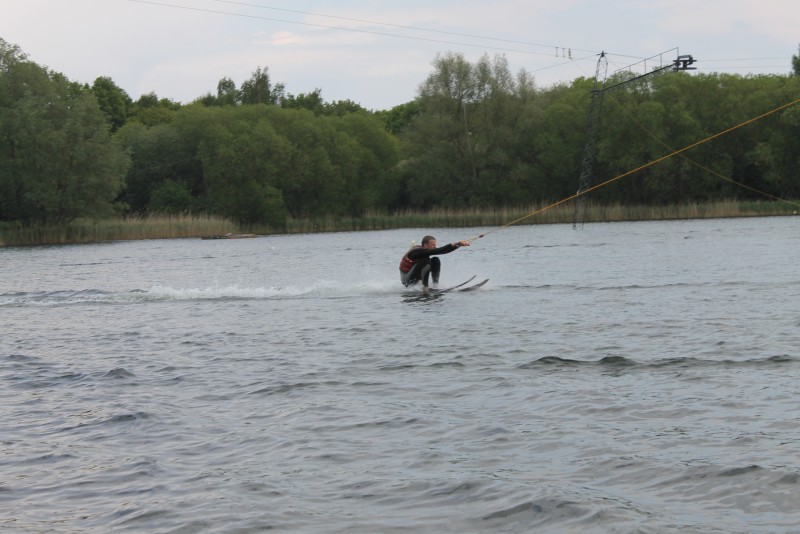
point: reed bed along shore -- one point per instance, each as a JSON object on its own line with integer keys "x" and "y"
{"x": 535, "y": 214}
{"x": 205, "y": 226}
{"x": 118, "y": 229}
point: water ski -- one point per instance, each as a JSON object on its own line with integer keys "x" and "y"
{"x": 473, "y": 287}
{"x": 451, "y": 288}
{"x": 460, "y": 287}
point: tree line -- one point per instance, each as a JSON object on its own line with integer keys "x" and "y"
{"x": 477, "y": 135}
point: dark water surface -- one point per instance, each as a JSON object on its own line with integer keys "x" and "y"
{"x": 630, "y": 377}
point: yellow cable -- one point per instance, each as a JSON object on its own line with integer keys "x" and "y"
{"x": 637, "y": 169}
{"x": 711, "y": 171}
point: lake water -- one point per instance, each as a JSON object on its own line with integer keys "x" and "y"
{"x": 627, "y": 377}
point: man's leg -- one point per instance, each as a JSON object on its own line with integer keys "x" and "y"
{"x": 425, "y": 273}
{"x": 436, "y": 267}
{"x": 418, "y": 272}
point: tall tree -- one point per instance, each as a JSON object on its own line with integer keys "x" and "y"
{"x": 150, "y": 110}
{"x": 113, "y": 101}
{"x": 399, "y": 118}
{"x": 58, "y": 161}
{"x": 10, "y": 54}
{"x": 227, "y": 95}
{"x": 243, "y": 159}
{"x": 311, "y": 101}
{"x": 463, "y": 144}
{"x": 258, "y": 89}
{"x": 159, "y": 154}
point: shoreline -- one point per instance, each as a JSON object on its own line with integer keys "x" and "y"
{"x": 211, "y": 227}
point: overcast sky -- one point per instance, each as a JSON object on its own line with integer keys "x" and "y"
{"x": 377, "y": 53}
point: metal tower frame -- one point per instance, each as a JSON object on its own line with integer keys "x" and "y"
{"x": 683, "y": 62}
{"x": 590, "y": 149}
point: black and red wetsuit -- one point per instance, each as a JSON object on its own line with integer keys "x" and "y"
{"x": 417, "y": 264}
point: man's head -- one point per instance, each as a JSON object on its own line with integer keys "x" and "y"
{"x": 428, "y": 242}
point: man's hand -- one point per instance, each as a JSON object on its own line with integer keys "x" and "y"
{"x": 461, "y": 244}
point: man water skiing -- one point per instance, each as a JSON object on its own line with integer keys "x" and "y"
{"x": 418, "y": 263}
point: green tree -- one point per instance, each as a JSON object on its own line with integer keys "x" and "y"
{"x": 399, "y": 118}
{"x": 557, "y": 132}
{"x": 311, "y": 101}
{"x": 58, "y": 160}
{"x": 371, "y": 153}
{"x": 341, "y": 108}
{"x": 776, "y": 152}
{"x": 243, "y": 159}
{"x": 258, "y": 89}
{"x": 796, "y": 63}
{"x": 160, "y": 154}
{"x": 113, "y": 101}
{"x": 227, "y": 95}
{"x": 464, "y": 145}
{"x": 171, "y": 196}
{"x": 315, "y": 185}
{"x": 10, "y": 54}
{"x": 443, "y": 162}
{"x": 150, "y": 110}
